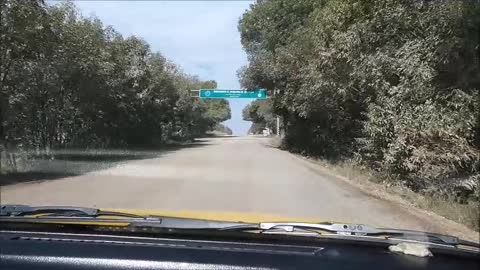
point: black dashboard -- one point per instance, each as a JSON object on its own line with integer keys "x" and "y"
{"x": 45, "y": 250}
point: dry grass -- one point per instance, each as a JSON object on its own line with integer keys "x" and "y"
{"x": 466, "y": 214}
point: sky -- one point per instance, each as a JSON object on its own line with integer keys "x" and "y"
{"x": 200, "y": 36}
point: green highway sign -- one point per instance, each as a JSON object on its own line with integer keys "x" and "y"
{"x": 224, "y": 93}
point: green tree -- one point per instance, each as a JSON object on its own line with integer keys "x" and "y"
{"x": 67, "y": 81}
{"x": 394, "y": 83}
{"x": 260, "y": 113}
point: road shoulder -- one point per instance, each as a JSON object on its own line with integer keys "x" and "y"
{"x": 432, "y": 220}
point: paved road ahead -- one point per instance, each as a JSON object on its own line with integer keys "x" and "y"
{"x": 222, "y": 174}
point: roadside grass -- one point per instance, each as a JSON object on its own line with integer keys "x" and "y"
{"x": 467, "y": 214}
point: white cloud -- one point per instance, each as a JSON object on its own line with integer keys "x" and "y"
{"x": 201, "y": 36}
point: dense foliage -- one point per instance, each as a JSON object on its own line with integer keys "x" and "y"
{"x": 221, "y": 129}
{"x": 70, "y": 82}
{"x": 393, "y": 84}
{"x": 260, "y": 113}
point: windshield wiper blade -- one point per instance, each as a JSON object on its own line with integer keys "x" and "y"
{"x": 27, "y": 213}
{"x": 191, "y": 224}
{"x": 357, "y": 230}
{"x": 18, "y": 210}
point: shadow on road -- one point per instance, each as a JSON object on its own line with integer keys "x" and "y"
{"x": 21, "y": 177}
{"x": 68, "y": 163}
{"x": 218, "y": 136}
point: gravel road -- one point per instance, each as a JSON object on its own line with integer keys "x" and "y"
{"x": 240, "y": 174}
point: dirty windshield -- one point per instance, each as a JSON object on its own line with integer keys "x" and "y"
{"x": 365, "y": 112}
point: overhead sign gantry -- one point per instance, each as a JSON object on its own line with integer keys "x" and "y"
{"x": 232, "y": 93}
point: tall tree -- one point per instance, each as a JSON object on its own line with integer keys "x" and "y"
{"x": 67, "y": 81}
{"x": 394, "y": 83}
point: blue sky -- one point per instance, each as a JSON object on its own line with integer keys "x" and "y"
{"x": 200, "y": 36}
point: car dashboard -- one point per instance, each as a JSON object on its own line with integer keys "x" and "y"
{"x": 46, "y": 250}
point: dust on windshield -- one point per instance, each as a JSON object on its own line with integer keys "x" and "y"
{"x": 357, "y": 111}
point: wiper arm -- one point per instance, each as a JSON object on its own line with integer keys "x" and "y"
{"x": 20, "y": 213}
{"x": 357, "y": 230}
{"x": 19, "y": 210}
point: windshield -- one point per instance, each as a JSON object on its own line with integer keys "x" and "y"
{"x": 364, "y": 112}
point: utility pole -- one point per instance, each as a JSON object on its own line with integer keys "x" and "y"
{"x": 278, "y": 126}
{"x": 275, "y": 92}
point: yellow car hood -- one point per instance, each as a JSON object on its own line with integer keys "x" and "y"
{"x": 216, "y": 215}
{"x": 248, "y": 217}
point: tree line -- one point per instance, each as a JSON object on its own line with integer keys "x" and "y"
{"x": 392, "y": 84}
{"x": 67, "y": 81}
{"x": 261, "y": 114}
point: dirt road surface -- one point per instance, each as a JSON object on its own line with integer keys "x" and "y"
{"x": 240, "y": 174}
